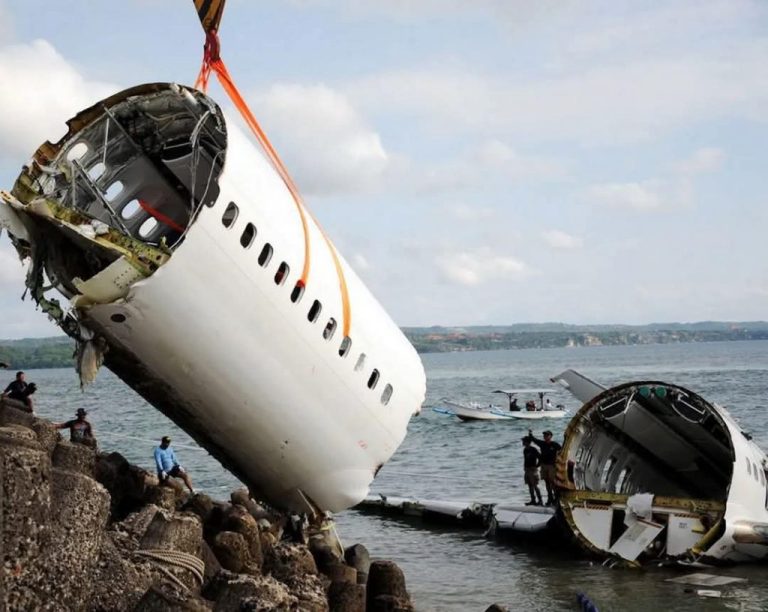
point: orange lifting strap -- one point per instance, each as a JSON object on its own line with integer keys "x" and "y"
{"x": 210, "y": 12}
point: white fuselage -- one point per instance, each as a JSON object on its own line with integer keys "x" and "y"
{"x": 254, "y": 380}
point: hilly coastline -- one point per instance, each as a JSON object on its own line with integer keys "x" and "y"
{"x": 56, "y": 352}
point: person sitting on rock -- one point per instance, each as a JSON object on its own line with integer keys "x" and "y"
{"x": 167, "y": 466}
{"x": 80, "y": 430}
{"x": 19, "y": 390}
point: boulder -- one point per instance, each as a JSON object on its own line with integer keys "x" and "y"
{"x": 243, "y": 498}
{"x": 231, "y": 550}
{"x": 212, "y": 565}
{"x": 199, "y": 504}
{"x": 386, "y": 588}
{"x": 240, "y": 521}
{"x": 174, "y": 531}
{"x": 163, "y": 598}
{"x": 346, "y": 597}
{"x": 13, "y": 412}
{"x": 47, "y": 435}
{"x": 116, "y": 583}
{"x": 25, "y": 471}
{"x": 233, "y": 592}
{"x": 357, "y": 556}
{"x": 496, "y": 608}
{"x": 287, "y": 560}
{"x": 162, "y": 496}
{"x": 74, "y": 458}
{"x": 341, "y": 572}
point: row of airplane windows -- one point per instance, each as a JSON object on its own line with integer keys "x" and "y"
{"x": 247, "y": 238}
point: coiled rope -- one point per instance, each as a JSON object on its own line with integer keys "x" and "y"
{"x": 175, "y": 558}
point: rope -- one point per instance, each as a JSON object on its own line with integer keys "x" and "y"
{"x": 212, "y": 62}
{"x": 175, "y": 558}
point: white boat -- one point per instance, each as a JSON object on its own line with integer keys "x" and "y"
{"x": 184, "y": 252}
{"x": 473, "y": 411}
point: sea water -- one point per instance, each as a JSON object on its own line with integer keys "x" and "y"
{"x": 443, "y": 458}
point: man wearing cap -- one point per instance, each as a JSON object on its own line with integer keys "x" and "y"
{"x": 80, "y": 429}
{"x": 167, "y": 466}
{"x": 549, "y": 449}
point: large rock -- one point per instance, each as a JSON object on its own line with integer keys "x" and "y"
{"x": 25, "y": 471}
{"x": 287, "y": 560}
{"x": 231, "y": 550}
{"x": 357, "y": 556}
{"x": 47, "y": 435}
{"x": 74, "y": 458}
{"x": 386, "y": 590}
{"x": 162, "y": 598}
{"x": 15, "y": 413}
{"x": 116, "y": 583}
{"x": 174, "y": 531}
{"x": 240, "y": 521}
{"x": 346, "y": 597}
{"x": 199, "y": 504}
{"x": 242, "y": 497}
{"x": 235, "y": 592}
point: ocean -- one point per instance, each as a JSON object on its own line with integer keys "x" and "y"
{"x": 443, "y": 458}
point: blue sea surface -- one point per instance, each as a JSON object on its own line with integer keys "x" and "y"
{"x": 443, "y": 458}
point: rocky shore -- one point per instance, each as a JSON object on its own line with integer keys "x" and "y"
{"x": 86, "y": 530}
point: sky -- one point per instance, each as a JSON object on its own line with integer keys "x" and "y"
{"x": 485, "y": 162}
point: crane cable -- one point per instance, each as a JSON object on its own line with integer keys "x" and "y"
{"x": 212, "y": 62}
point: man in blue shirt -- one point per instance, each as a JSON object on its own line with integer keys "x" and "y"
{"x": 167, "y": 466}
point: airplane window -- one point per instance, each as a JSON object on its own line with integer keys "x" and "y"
{"x": 346, "y": 344}
{"x": 147, "y": 227}
{"x": 113, "y": 191}
{"x": 265, "y": 255}
{"x": 248, "y": 235}
{"x": 95, "y": 171}
{"x": 360, "y": 362}
{"x": 607, "y": 471}
{"x": 298, "y": 292}
{"x": 77, "y": 151}
{"x": 281, "y": 273}
{"x": 330, "y": 329}
{"x": 762, "y": 478}
{"x": 622, "y": 481}
{"x": 373, "y": 379}
{"x": 387, "y": 394}
{"x": 314, "y": 312}
{"x": 130, "y": 209}
{"x": 754, "y": 472}
{"x": 749, "y": 468}
{"x": 230, "y": 214}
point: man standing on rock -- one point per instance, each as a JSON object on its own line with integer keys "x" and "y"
{"x": 167, "y": 466}
{"x": 80, "y": 430}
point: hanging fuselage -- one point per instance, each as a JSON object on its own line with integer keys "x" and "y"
{"x": 219, "y": 297}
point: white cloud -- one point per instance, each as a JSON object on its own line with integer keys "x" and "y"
{"x": 557, "y": 239}
{"x": 637, "y": 196}
{"x": 596, "y": 104}
{"x": 480, "y": 266}
{"x": 674, "y": 190}
{"x": 41, "y": 90}
{"x": 12, "y": 270}
{"x": 465, "y": 212}
{"x": 703, "y": 161}
{"x": 327, "y": 145}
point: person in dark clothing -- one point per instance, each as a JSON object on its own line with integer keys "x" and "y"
{"x": 531, "y": 459}
{"x": 549, "y": 449}
{"x": 80, "y": 429}
{"x": 19, "y": 390}
{"x": 513, "y": 407}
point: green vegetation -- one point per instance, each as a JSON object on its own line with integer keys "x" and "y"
{"x": 57, "y": 352}
{"x": 558, "y": 335}
{"x": 37, "y": 353}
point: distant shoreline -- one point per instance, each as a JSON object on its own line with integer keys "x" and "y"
{"x": 56, "y": 352}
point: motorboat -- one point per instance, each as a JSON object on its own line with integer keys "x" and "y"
{"x": 474, "y": 411}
